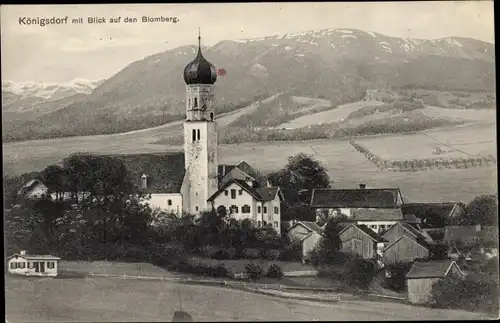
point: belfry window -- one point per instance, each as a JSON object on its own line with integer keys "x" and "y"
{"x": 211, "y": 116}
{"x": 199, "y": 134}
{"x": 194, "y": 135}
{"x": 195, "y": 103}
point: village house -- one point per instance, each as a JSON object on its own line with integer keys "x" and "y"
{"x": 378, "y": 209}
{"x": 308, "y": 234}
{"x": 423, "y": 275}
{"x": 361, "y": 240}
{"x": 32, "y": 265}
{"x": 33, "y": 189}
{"x": 406, "y": 243}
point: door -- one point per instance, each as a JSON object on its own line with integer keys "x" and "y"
{"x": 42, "y": 267}
{"x": 37, "y": 266}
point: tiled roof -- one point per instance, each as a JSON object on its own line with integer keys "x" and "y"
{"x": 354, "y": 198}
{"x": 419, "y": 233}
{"x": 424, "y": 210}
{"x": 165, "y": 172}
{"x": 35, "y": 257}
{"x": 376, "y": 215}
{"x": 223, "y": 170}
{"x": 259, "y": 193}
{"x": 430, "y": 269}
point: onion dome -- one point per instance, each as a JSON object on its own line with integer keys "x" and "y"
{"x": 200, "y": 71}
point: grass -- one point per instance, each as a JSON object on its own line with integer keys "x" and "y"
{"x": 106, "y": 300}
{"x": 238, "y": 265}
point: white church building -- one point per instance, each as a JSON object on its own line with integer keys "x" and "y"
{"x": 203, "y": 184}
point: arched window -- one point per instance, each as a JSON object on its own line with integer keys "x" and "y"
{"x": 264, "y": 223}
{"x": 234, "y": 209}
{"x": 245, "y": 209}
{"x": 169, "y": 202}
{"x": 195, "y": 103}
{"x": 275, "y": 224}
{"x": 211, "y": 116}
{"x": 198, "y": 134}
{"x": 259, "y": 224}
{"x": 194, "y": 135}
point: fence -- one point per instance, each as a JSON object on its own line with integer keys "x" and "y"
{"x": 269, "y": 289}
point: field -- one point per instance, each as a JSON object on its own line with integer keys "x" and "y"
{"x": 346, "y": 167}
{"x": 112, "y": 300}
{"x": 456, "y": 142}
{"x": 238, "y": 265}
{"x": 338, "y": 114}
{"x": 484, "y": 115}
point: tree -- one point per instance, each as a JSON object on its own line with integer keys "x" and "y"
{"x": 482, "y": 210}
{"x": 56, "y": 179}
{"x": 301, "y": 174}
{"x": 299, "y": 213}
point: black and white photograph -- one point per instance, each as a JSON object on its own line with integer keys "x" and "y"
{"x": 287, "y": 161}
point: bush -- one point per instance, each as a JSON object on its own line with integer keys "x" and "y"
{"x": 274, "y": 271}
{"x": 396, "y": 280}
{"x": 221, "y": 255}
{"x": 254, "y": 271}
{"x": 360, "y": 272}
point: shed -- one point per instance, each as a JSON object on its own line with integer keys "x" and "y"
{"x": 423, "y": 275}
{"x": 308, "y": 233}
{"x": 360, "y": 240}
{"x": 33, "y": 265}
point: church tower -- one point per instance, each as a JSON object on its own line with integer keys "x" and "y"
{"x": 200, "y": 133}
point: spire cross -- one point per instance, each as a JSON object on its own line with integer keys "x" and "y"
{"x": 199, "y": 38}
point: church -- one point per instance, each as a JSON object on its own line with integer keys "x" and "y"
{"x": 203, "y": 184}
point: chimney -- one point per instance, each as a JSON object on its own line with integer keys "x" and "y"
{"x": 22, "y": 253}
{"x": 144, "y": 182}
{"x": 362, "y": 186}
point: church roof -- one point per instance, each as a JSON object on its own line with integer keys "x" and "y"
{"x": 164, "y": 172}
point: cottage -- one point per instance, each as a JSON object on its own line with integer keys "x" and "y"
{"x": 423, "y": 275}
{"x": 308, "y": 233}
{"x": 33, "y": 189}
{"x": 360, "y": 240}
{"x": 32, "y": 265}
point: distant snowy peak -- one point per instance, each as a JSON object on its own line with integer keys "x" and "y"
{"x": 50, "y": 91}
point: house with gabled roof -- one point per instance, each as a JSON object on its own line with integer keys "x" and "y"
{"x": 33, "y": 189}
{"x": 309, "y": 234}
{"x": 424, "y": 274}
{"x": 247, "y": 199}
{"x": 32, "y": 265}
{"x": 361, "y": 240}
{"x": 376, "y": 208}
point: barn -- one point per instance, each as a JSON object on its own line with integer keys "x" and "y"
{"x": 32, "y": 265}
{"x": 361, "y": 240}
{"x": 423, "y": 275}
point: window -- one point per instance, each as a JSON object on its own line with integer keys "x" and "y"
{"x": 50, "y": 265}
{"x": 265, "y": 209}
{"x": 233, "y": 194}
{"x": 194, "y": 135}
{"x": 234, "y": 209}
{"x": 195, "y": 103}
{"x": 211, "y": 116}
{"x": 245, "y": 209}
{"x": 240, "y": 192}
{"x": 270, "y": 225}
{"x": 264, "y": 223}
{"x": 382, "y": 226}
{"x": 276, "y": 210}
{"x": 12, "y": 265}
{"x": 226, "y": 193}
{"x": 169, "y": 202}
{"x": 259, "y": 224}
{"x": 275, "y": 224}
{"x": 23, "y": 265}
{"x": 196, "y": 208}
{"x": 259, "y": 209}
{"x": 198, "y": 134}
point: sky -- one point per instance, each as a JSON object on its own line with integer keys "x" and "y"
{"x": 61, "y": 53}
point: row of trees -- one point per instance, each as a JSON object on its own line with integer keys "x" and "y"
{"x": 422, "y": 164}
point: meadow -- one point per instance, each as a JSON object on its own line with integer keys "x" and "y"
{"x": 112, "y": 300}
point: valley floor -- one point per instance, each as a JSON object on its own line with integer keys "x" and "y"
{"x": 101, "y": 300}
